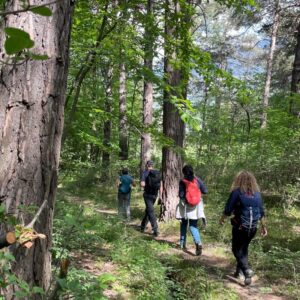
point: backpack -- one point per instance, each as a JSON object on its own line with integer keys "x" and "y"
{"x": 152, "y": 182}
{"x": 250, "y": 214}
{"x": 124, "y": 187}
{"x": 192, "y": 192}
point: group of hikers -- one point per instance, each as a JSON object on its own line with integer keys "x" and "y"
{"x": 244, "y": 203}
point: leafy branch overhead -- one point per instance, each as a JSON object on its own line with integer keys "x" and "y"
{"x": 18, "y": 42}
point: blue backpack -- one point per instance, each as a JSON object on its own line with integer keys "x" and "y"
{"x": 250, "y": 213}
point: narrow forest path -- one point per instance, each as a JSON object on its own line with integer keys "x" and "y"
{"x": 217, "y": 266}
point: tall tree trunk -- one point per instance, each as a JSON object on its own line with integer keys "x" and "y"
{"x": 176, "y": 75}
{"x": 122, "y": 113}
{"x": 295, "y": 87}
{"x": 107, "y": 123}
{"x": 31, "y": 122}
{"x": 270, "y": 65}
{"x": 148, "y": 87}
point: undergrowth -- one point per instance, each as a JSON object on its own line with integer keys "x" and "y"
{"x": 145, "y": 268}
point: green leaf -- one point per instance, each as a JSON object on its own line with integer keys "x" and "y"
{"x": 16, "y": 32}
{"x": 15, "y": 44}
{"x": 43, "y": 11}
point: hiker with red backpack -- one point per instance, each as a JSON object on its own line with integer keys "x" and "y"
{"x": 245, "y": 203}
{"x": 190, "y": 208}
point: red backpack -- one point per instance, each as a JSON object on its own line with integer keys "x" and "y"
{"x": 192, "y": 192}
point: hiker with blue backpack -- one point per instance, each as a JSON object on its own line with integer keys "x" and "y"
{"x": 150, "y": 182}
{"x": 190, "y": 208}
{"x": 125, "y": 183}
{"x": 246, "y": 205}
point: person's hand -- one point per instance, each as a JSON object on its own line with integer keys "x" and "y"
{"x": 264, "y": 231}
{"x": 222, "y": 220}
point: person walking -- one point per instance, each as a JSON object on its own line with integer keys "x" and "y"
{"x": 190, "y": 208}
{"x": 246, "y": 204}
{"x": 125, "y": 183}
{"x": 150, "y": 182}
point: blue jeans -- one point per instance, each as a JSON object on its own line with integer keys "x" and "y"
{"x": 193, "y": 229}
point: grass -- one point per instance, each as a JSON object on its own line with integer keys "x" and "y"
{"x": 144, "y": 268}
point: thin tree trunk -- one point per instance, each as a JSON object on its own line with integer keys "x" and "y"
{"x": 295, "y": 87}
{"x": 270, "y": 66}
{"x": 107, "y": 123}
{"x": 148, "y": 87}
{"x": 176, "y": 81}
{"x": 75, "y": 89}
{"x": 122, "y": 113}
{"x": 31, "y": 122}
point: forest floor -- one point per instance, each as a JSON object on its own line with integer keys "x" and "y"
{"x": 135, "y": 265}
{"x": 218, "y": 266}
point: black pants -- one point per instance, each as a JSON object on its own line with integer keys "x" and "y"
{"x": 149, "y": 212}
{"x": 240, "y": 243}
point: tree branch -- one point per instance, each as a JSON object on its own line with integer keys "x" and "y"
{"x": 28, "y": 8}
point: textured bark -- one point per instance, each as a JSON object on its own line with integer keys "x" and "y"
{"x": 295, "y": 87}
{"x": 31, "y": 122}
{"x": 148, "y": 87}
{"x": 270, "y": 65}
{"x": 173, "y": 126}
{"x": 123, "y": 141}
{"x": 107, "y": 124}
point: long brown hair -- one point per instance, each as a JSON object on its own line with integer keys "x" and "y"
{"x": 246, "y": 182}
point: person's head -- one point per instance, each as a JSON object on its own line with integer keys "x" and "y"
{"x": 149, "y": 164}
{"x": 246, "y": 182}
{"x": 124, "y": 171}
{"x": 188, "y": 172}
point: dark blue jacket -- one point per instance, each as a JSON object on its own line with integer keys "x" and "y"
{"x": 233, "y": 205}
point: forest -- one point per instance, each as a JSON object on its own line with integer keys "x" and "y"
{"x": 93, "y": 89}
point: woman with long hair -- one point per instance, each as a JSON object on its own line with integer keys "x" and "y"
{"x": 189, "y": 212}
{"x": 245, "y": 203}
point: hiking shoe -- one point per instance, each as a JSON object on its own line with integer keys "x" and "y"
{"x": 248, "y": 274}
{"x": 198, "y": 249}
{"x": 248, "y": 280}
{"x": 238, "y": 274}
{"x": 183, "y": 246}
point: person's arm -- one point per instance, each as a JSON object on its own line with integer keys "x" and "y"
{"x": 202, "y": 186}
{"x": 132, "y": 181}
{"x": 143, "y": 179}
{"x": 118, "y": 182}
{"x": 264, "y": 231}
{"x": 230, "y": 205}
{"x": 181, "y": 192}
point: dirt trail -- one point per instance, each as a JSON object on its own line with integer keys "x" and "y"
{"x": 215, "y": 265}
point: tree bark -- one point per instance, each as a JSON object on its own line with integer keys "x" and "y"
{"x": 123, "y": 144}
{"x": 176, "y": 73}
{"x": 31, "y": 122}
{"x": 148, "y": 87}
{"x": 107, "y": 124}
{"x": 270, "y": 66}
{"x": 295, "y": 87}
